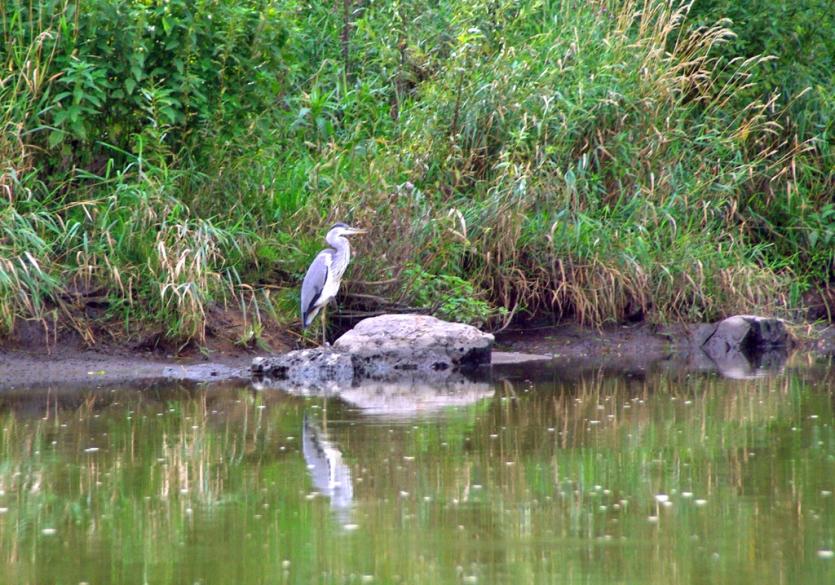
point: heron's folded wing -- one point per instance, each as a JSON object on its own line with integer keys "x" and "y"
{"x": 314, "y": 281}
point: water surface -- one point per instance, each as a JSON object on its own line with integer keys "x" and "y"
{"x": 565, "y": 476}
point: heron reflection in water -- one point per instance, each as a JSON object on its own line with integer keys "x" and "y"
{"x": 321, "y": 283}
{"x": 330, "y": 474}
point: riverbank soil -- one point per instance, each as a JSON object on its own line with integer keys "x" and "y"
{"x": 29, "y": 361}
{"x": 573, "y": 341}
{"x": 37, "y": 354}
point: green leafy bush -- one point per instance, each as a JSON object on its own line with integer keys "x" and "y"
{"x": 798, "y": 35}
{"x": 570, "y": 158}
{"x": 195, "y": 65}
{"x": 449, "y": 297}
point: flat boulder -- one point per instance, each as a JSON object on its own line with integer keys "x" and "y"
{"x": 380, "y": 346}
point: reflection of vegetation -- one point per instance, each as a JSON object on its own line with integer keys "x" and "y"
{"x": 555, "y": 482}
{"x": 160, "y": 470}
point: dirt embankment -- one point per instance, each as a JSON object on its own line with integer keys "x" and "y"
{"x": 37, "y": 355}
{"x": 23, "y": 368}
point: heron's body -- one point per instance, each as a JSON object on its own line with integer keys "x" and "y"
{"x": 321, "y": 283}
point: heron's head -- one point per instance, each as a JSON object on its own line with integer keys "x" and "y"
{"x": 343, "y": 229}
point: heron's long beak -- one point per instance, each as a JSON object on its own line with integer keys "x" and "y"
{"x": 355, "y": 231}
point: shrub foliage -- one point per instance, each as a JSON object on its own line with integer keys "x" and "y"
{"x": 579, "y": 159}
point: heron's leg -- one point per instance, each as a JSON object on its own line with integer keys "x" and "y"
{"x": 324, "y": 326}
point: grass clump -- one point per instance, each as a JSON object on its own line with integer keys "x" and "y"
{"x": 585, "y": 160}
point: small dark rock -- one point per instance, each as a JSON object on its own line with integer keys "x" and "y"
{"x": 744, "y": 344}
{"x": 746, "y": 333}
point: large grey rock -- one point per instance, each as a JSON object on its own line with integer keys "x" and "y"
{"x": 389, "y": 347}
{"x": 384, "y": 345}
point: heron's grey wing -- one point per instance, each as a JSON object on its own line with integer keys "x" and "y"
{"x": 313, "y": 284}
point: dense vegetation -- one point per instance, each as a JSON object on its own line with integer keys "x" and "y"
{"x": 583, "y": 159}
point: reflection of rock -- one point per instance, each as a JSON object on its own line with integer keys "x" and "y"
{"x": 408, "y": 396}
{"x": 417, "y": 397}
{"x": 330, "y": 474}
{"x": 326, "y": 388}
{"x": 742, "y": 365}
{"x": 386, "y": 347}
{"x": 745, "y": 346}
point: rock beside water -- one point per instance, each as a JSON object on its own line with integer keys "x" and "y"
{"x": 381, "y": 346}
{"x": 745, "y": 333}
{"x": 387, "y": 347}
{"x": 743, "y": 345}
{"x": 415, "y": 349}
{"x": 306, "y": 367}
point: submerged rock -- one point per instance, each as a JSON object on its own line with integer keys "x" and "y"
{"x": 306, "y": 367}
{"x": 387, "y": 347}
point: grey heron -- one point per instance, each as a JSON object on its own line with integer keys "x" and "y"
{"x": 321, "y": 283}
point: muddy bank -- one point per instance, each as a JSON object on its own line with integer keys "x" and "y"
{"x": 35, "y": 355}
{"x": 21, "y": 369}
{"x": 626, "y": 348}
{"x": 68, "y": 363}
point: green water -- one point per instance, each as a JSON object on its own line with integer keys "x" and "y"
{"x": 651, "y": 478}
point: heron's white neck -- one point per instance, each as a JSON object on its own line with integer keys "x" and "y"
{"x": 340, "y": 243}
